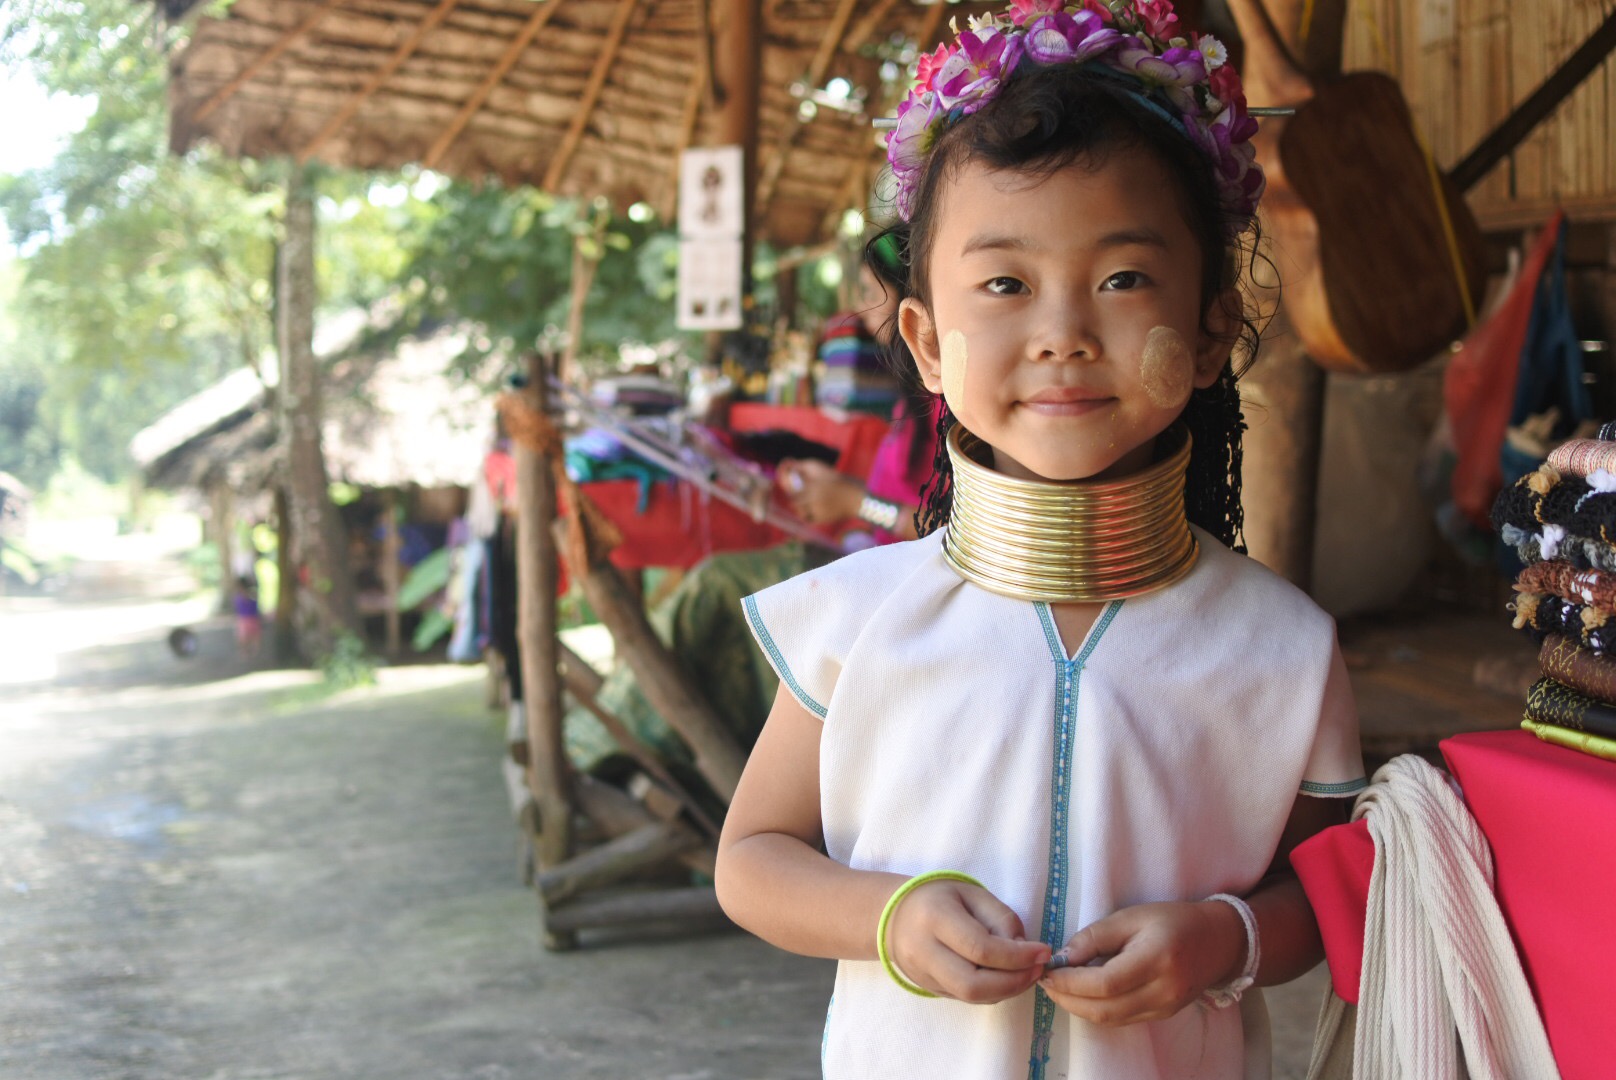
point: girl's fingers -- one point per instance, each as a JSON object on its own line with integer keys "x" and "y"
{"x": 1152, "y": 1001}
{"x": 963, "y": 980}
{"x": 993, "y": 913}
{"x": 1122, "y": 974}
{"x": 972, "y": 941}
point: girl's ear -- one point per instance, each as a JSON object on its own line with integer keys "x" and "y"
{"x": 1219, "y": 330}
{"x": 920, "y": 334}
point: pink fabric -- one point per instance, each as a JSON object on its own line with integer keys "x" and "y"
{"x": 891, "y": 477}
{"x": 1546, "y": 812}
{"x": 1334, "y": 866}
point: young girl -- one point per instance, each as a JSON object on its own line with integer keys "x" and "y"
{"x": 1033, "y": 778}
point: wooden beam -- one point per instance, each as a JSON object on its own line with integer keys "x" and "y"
{"x": 591, "y": 95}
{"x": 1536, "y": 108}
{"x": 512, "y": 53}
{"x": 644, "y": 848}
{"x": 669, "y": 202}
{"x": 868, "y": 25}
{"x": 377, "y": 78}
{"x": 929, "y": 29}
{"x": 263, "y": 60}
{"x": 816, "y": 74}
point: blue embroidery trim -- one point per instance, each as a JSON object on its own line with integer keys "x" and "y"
{"x": 1346, "y": 787}
{"x": 1053, "y": 931}
{"x": 779, "y": 660}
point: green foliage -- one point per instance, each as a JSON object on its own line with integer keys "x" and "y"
{"x": 348, "y": 664}
{"x": 433, "y": 626}
{"x": 426, "y": 577}
{"x": 503, "y": 257}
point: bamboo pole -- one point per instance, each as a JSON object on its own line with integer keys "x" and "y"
{"x": 665, "y": 684}
{"x": 591, "y": 94}
{"x": 392, "y": 574}
{"x": 380, "y": 76}
{"x": 537, "y": 575}
{"x": 513, "y": 52}
{"x": 738, "y": 65}
{"x": 616, "y": 813}
{"x": 645, "y": 847}
{"x": 263, "y": 60}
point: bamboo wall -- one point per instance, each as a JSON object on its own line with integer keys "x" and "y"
{"x": 1464, "y": 64}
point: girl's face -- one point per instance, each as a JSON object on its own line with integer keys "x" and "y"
{"x": 1065, "y": 320}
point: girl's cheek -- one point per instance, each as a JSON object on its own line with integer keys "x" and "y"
{"x": 954, "y": 359}
{"x": 1166, "y": 368}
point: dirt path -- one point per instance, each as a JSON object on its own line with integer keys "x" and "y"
{"x": 213, "y": 873}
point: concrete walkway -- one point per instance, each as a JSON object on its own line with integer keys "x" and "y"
{"x": 212, "y": 873}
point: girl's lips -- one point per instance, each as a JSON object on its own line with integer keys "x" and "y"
{"x": 1066, "y": 402}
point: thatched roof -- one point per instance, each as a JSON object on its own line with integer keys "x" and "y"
{"x": 599, "y": 101}
{"x": 393, "y": 419}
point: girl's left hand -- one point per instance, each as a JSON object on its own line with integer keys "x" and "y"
{"x": 1157, "y": 958}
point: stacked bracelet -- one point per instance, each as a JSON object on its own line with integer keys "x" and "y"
{"x": 878, "y": 512}
{"x": 1224, "y": 996}
{"x": 886, "y": 918}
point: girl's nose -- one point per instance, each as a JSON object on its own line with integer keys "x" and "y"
{"x": 1064, "y": 331}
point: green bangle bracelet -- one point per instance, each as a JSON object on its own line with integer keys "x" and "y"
{"x": 886, "y": 918}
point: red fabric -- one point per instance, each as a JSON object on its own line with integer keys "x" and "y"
{"x": 1546, "y": 813}
{"x": 1479, "y": 387}
{"x": 680, "y": 526}
{"x": 856, "y": 437}
{"x": 1334, "y": 866}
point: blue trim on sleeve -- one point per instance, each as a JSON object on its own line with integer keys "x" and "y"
{"x": 1346, "y": 787}
{"x": 778, "y": 659}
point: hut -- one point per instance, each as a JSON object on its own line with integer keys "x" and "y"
{"x": 404, "y": 437}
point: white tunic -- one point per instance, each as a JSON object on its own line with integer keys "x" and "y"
{"x": 1159, "y": 760}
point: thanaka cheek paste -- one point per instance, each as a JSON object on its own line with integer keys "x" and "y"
{"x": 1166, "y": 368}
{"x": 954, "y": 369}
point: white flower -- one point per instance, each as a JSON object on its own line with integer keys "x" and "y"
{"x": 1214, "y": 52}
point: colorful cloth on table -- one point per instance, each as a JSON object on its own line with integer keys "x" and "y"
{"x": 1545, "y": 613}
{"x": 700, "y": 621}
{"x": 1565, "y": 661}
{"x": 1158, "y": 763}
{"x": 1550, "y": 701}
{"x": 1575, "y": 550}
{"x": 855, "y": 375}
{"x": 1596, "y": 588}
{"x": 1586, "y": 742}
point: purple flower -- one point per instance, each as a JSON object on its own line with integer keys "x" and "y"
{"x": 909, "y": 144}
{"x": 1176, "y": 66}
{"x": 1062, "y": 38}
{"x": 986, "y": 57}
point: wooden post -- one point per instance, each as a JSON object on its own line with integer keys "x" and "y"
{"x": 219, "y": 506}
{"x": 1285, "y": 388}
{"x": 538, "y": 575}
{"x": 284, "y": 641}
{"x": 392, "y": 571}
{"x": 737, "y": 73}
{"x": 666, "y": 685}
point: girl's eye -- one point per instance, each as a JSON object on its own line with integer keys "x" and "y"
{"x": 1124, "y": 280}
{"x": 1005, "y": 286}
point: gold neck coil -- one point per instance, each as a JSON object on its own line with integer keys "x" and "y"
{"x": 1075, "y": 541}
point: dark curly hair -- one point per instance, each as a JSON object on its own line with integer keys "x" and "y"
{"x": 1044, "y": 120}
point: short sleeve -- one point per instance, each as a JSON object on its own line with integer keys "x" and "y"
{"x": 1335, "y": 766}
{"x": 807, "y": 625}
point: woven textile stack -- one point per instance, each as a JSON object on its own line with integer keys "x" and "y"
{"x": 854, "y": 376}
{"x": 1561, "y": 521}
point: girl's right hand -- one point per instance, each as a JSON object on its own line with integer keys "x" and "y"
{"x": 960, "y": 941}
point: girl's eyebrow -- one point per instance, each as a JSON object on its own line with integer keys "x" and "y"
{"x": 1142, "y": 236}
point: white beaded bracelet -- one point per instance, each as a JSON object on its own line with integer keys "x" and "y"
{"x": 1223, "y": 996}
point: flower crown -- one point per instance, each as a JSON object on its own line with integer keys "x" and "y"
{"x": 1185, "y": 79}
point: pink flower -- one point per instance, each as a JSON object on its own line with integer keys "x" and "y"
{"x": 1024, "y": 11}
{"x": 1174, "y": 67}
{"x": 974, "y": 73}
{"x": 1063, "y": 38}
{"x": 1099, "y": 8}
{"x": 1225, "y": 86}
{"x": 929, "y": 64}
{"x": 1157, "y": 15}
